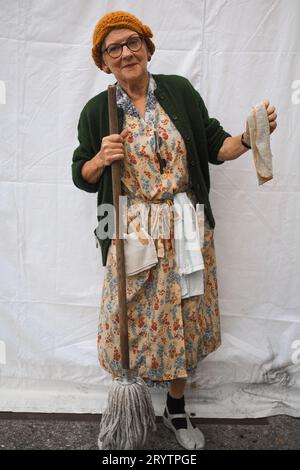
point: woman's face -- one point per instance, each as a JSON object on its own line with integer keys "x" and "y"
{"x": 130, "y": 66}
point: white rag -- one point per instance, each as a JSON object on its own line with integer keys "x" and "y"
{"x": 188, "y": 254}
{"x": 139, "y": 251}
{"x": 260, "y": 142}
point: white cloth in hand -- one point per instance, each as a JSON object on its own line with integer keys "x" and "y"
{"x": 260, "y": 142}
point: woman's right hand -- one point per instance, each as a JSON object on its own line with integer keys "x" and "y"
{"x": 112, "y": 148}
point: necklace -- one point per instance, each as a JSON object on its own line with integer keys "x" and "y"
{"x": 157, "y": 142}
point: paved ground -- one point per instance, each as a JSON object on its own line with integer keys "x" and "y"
{"x": 79, "y": 432}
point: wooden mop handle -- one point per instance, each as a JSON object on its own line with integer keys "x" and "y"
{"x": 116, "y": 182}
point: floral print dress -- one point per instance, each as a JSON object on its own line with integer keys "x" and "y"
{"x": 167, "y": 335}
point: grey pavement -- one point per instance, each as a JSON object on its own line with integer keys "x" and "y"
{"x": 79, "y": 432}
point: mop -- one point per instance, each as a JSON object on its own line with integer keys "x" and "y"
{"x": 129, "y": 415}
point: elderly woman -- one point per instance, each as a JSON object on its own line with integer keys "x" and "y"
{"x": 166, "y": 141}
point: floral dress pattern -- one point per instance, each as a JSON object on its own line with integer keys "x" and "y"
{"x": 168, "y": 335}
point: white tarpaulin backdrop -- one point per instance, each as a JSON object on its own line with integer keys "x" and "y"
{"x": 236, "y": 53}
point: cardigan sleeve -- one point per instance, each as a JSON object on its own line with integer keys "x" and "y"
{"x": 215, "y": 134}
{"x": 83, "y": 153}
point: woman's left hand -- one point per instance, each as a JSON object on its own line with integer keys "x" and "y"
{"x": 271, "y": 110}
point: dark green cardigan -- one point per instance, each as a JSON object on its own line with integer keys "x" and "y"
{"x": 203, "y": 137}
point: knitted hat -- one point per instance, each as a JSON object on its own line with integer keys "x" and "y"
{"x": 118, "y": 19}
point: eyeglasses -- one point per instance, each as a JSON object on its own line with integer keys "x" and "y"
{"x": 133, "y": 43}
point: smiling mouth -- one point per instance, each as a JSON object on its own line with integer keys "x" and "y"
{"x": 128, "y": 65}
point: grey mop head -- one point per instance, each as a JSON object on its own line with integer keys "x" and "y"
{"x": 129, "y": 416}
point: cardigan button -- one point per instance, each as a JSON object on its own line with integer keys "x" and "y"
{"x": 193, "y": 162}
{"x": 174, "y": 117}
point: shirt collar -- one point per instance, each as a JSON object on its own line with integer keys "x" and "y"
{"x": 124, "y": 102}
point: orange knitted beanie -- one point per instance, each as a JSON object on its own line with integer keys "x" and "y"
{"x": 118, "y": 19}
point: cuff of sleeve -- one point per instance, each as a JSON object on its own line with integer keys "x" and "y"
{"x": 78, "y": 179}
{"x": 213, "y": 154}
